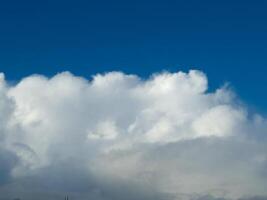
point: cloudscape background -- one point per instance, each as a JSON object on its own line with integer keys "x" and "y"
{"x": 118, "y": 136}
{"x": 133, "y": 99}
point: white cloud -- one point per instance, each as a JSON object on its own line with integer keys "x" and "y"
{"x": 104, "y": 130}
{"x": 166, "y": 137}
{"x": 220, "y": 121}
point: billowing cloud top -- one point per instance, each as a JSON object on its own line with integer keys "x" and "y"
{"x": 120, "y": 137}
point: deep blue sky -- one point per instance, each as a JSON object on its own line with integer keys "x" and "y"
{"x": 225, "y": 39}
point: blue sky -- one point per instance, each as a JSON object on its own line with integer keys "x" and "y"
{"x": 225, "y": 39}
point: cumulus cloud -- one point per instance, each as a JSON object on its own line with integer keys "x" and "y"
{"x": 118, "y": 136}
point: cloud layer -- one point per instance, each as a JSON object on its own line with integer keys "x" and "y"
{"x": 118, "y": 136}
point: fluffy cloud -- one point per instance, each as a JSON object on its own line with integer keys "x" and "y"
{"x": 118, "y": 136}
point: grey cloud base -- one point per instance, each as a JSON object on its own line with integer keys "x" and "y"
{"x": 120, "y": 137}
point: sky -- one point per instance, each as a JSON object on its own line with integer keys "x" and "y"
{"x": 225, "y": 39}
{"x": 136, "y": 100}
